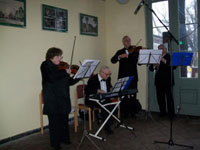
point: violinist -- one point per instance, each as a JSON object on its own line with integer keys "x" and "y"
{"x": 164, "y": 82}
{"x": 56, "y": 94}
{"x": 127, "y": 67}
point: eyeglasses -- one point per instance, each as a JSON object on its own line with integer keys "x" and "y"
{"x": 107, "y": 74}
{"x": 60, "y": 57}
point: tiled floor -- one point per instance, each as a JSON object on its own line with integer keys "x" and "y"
{"x": 186, "y": 130}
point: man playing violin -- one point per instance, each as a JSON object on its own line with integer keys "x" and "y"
{"x": 127, "y": 67}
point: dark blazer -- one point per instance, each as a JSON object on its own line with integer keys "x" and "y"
{"x": 55, "y": 89}
{"x": 93, "y": 85}
{"x": 127, "y": 66}
{"x": 163, "y": 74}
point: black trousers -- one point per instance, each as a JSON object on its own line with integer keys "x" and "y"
{"x": 134, "y": 85}
{"x": 58, "y": 129}
{"x": 127, "y": 103}
{"x": 162, "y": 93}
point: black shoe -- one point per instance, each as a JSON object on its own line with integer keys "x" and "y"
{"x": 57, "y": 147}
{"x": 99, "y": 116}
{"x": 66, "y": 142}
{"x": 124, "y": 115}
{"x": 171, "y": 116}
{"x": 162, "y": 114}
{"x": 109, "y": 131}
{"x": 133, "y": 116}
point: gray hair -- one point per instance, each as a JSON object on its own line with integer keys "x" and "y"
{"x": 162, "y": 45}
{"x": 103, "y": 68}
{"x": 126, "y": 36}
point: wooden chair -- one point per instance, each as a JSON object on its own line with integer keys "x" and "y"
{"x": 41, "y": 102}
{"x": 79, "y": 93}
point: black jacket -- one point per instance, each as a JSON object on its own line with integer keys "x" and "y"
{"x": 55, "y": 89}
{"x": 93, "y": 85}
{"x": 127, "y": 66}
{"x": 164, "y": 74}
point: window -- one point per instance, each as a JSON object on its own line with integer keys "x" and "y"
{"x": 161, "y": 9}
{"x": 187, "y": 28}
{"x": 188, "y": 35}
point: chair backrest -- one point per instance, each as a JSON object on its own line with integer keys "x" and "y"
{"x": 41, "y": 98}
{"x": 80, "y": 90}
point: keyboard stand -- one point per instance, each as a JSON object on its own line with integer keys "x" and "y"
{"x": 120, "y": 123}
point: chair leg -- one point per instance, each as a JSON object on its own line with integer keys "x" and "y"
{"x": 75, "y": 120}
{"x": 90, "y": 119}
{"x": 41, "y": 117}
{"x": 119, "y": 111}
{"x": 93, "y": 115}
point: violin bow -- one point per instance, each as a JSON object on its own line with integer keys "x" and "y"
{"x": 72, "y": 52}
{"x": 138, "y": 42}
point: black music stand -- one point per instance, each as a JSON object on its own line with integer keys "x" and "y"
{"x": 170, "y": 142}
{"x": 120, "y": 85}
{"x": 181, "y": 59}
{"x": 85, "y": 71}
{"x": 147, "y": 57}
{"x": 178, "y": 59}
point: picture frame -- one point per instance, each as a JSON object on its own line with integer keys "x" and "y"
{"x": 54, "y": 19}
{"x": 88, "y": 25}
{"x": 13, "y": 13}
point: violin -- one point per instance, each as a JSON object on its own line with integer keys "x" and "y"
{"x": 65, "y": 65}
{"x": 134, "y": 48}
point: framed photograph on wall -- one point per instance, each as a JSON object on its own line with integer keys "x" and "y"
{"x": 13, "y": 13}
{"x": 88, "y": 25}
{"x": 55, "y": 19}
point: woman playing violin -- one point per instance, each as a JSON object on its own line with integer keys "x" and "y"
{"x": 127, "y": 67}
{"x": 55, "y": 90}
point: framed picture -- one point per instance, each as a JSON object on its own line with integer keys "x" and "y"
{"x": 13, "y": 13}
{"x": 88, "y": 25}
{"x": 55, "y": 19}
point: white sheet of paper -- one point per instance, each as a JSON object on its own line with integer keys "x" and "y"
{"x": 119, "y": 85}
{"x": 149, "y": 56}
{"x": 86, "y": 69}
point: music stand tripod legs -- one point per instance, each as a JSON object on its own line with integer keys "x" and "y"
{"x": 85, "y": 132}
{"x": 148, "y": 112}
{"x": 85, "y": 71}
{"x": 171, "y": 142}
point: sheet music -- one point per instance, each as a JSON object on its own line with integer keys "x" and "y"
{"x": 122, "y": 84}
{"x": 86, "y": 69}
{"x": 149, "y": 56}
{"x": 182, "y": 58}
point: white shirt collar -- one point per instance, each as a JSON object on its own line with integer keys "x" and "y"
{"x": 100, "y": 78}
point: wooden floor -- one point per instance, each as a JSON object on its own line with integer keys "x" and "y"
{"x": 186, "y": 131}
